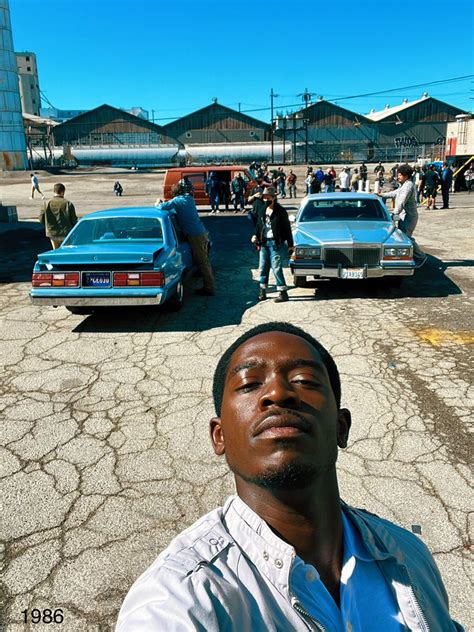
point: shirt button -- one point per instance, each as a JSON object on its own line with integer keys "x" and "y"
{"x": 213, "y": 541}
{"x": 279, "y": 563}
{"x": 310, "y": 576}
{"x": 265, "y": 556}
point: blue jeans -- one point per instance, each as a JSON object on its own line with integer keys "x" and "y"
{"x": 270, "y": 257}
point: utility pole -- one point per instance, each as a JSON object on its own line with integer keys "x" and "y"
{"x": 272, "y": 96}
{"x": 239, "y": 104}
{"x": 153, "y": 116}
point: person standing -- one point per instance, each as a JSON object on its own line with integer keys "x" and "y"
{"x": 213, "y": 190}
{"x": 328, "y": 182}
{"x": 58, "y": 216}
{"x": 272, "y": 231}
{"x": 379, "y": 168}
{"x": 405, "y": 200}
{"x": 355, "y": 180}
{"x": 469, "y": 177}
{"x": 394, "y": 171}
{"x": 431, "y": 186}
{"x": 363, "y": 173}
{"x": 184, "y": 206}
{"x": 291, "y": 183}
{"x": 237, "y": 189}
{"x": 35, "y": 186}
{"x": 446, "y": 184}
{"x": 345, "y": 180}
{"x": 280, "y": 181}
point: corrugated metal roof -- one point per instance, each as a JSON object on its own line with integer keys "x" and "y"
{"x": 386, "y": 112}
{"x": 38, "y": 120}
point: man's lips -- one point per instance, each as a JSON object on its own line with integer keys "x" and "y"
{"x": 282, "y": 424}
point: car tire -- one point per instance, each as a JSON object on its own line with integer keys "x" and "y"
{"x": 81, "y": 311}
{"x": 176, "y": 302}
{"x": 300, "y": 281}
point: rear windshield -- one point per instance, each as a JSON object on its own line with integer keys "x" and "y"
{"x": 327, "y": 210}
{"x": 122, "y": 229}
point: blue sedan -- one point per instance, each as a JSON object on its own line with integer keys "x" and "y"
{"x": 348, "y": 236}
{"x": 116, "y": 257}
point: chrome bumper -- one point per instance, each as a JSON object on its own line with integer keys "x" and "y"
{"x": 98, "y": 301}
{"x": 369, "y": 273}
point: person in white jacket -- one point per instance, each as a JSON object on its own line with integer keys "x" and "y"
{"x": 286, "y": 553}
{"x": 345, "y": 179}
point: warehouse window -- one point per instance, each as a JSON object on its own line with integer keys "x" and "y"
{"x": 27, "y": 58}
{"x": 462, "y": 132}
{"x": 28, "y": 68}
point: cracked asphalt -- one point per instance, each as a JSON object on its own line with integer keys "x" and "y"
{"x": 105, "y": 453}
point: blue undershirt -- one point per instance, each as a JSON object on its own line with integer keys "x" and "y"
{"x": 366, "y": 601}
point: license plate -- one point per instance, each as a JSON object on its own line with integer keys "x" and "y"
{"x": 353, "y": 273}
{"x": 96, "y": 279}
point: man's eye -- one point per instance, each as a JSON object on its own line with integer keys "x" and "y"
{"x": 307, "y": 381}
{"x": 248, "y": 386}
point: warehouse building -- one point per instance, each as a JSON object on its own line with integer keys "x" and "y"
{"x": 217, "y": 123}
{"x": 106, "y": 125}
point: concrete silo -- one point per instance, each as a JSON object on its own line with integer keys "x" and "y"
{"x": 12, "y": 133}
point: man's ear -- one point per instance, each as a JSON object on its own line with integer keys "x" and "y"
{"x": 217, "y": 436}
{"x": 344, "y": 422}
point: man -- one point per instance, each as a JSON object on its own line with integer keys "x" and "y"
{"x": 35, "y": 186}
{"x": 272, "y": 232}
{"x": 237, "y": 189}
{"x": 355, "y": 178}
{"x": 184, "y": 206}
{"x": 345, "y": 180}
{"x": 394, "y": 171}
{"x": 213, "y": 190}
{"x": 58, "y": 216}
{"x": 291, "y": 182}
{"x": 431, "y": 182}
{"x": 280, "y": 181}
{"x": 379, "y": 168}
{"x": 469, "y": 177}
{"x": 363, "y": 173}
{"x": 328, "y": 182}
{"x": 285, "y": 553}
{"x": 405, "y": 200}
{"x": 446, "y": 184}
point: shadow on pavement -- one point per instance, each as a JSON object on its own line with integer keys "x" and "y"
{"x": 430, "y": 281}
{"x": 19, "y": 245}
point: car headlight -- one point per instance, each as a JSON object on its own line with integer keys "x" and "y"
{"x": 397, "y": 253}
{"x": 308, "y": 253}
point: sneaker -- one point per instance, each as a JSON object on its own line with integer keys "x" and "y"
{"x": 421, "y": 262}
{"x": 32, "y": 198}
{"x": 203, "y": 291}
{"x": 263, "y": 294}
{"x": 282, "y": 297}
{"x": 42, "y": 197}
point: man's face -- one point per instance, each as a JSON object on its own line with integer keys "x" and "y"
{"x": 279, "y": 422}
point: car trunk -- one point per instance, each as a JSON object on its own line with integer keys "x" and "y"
{"x": 95, "y": 256}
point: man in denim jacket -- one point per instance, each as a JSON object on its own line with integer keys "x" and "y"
{"x": 286, "y": 553}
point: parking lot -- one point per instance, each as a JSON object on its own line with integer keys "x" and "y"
{"x": 106, "y": 453}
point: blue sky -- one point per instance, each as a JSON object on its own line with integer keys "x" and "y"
{"x": 174, "y": 56}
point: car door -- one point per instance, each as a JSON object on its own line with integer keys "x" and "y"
{"x": 182, "y": 245}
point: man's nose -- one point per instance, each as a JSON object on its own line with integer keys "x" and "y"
{"x": 279, "y": 392}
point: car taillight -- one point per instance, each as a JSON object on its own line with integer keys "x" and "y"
{"x": 149, "y": 279}
{"x": 55, "y": 279}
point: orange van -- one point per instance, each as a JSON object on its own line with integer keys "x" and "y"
{"x": 198, "y": 176}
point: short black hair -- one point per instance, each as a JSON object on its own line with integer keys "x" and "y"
{"x": 223, "y": 365}
{"x": 405, "y": 170}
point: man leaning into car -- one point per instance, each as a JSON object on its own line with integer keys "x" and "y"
{"x": 286, "y": 553}
{"x": 184, "y": 206}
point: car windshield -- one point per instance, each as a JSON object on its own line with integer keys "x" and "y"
{"x": 122, "y": 229}
{"x": 329, "y": 210}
